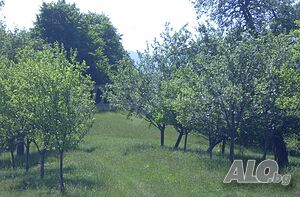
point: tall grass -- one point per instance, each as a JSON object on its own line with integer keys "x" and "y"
{"x": 123, "y": 157}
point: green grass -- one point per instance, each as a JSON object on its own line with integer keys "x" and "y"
{"x": 122, "y": 157}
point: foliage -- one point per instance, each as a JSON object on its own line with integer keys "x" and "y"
{"x": 290, "y": 75}
{"x": 237, "y": 82}
{"x": 9, "y": 127}
{"x": 217, "y": 85}
{"x": 137, "y": 90}
{"x": 144, "y": 89}
{"x": 92, "y": 35}
{"x": 1, "y": 5}
{"x": 279, "y": 15}
{"x": 46, "y": 100}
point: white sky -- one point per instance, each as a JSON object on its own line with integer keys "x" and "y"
{"x": 137, "y": 20}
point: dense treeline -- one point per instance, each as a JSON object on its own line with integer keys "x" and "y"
{"x": 233, "y": 83}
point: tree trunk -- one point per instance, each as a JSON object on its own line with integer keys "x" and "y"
{"x": 281, "y": 154}
{"x": 212, "y": 144}
{"x": 178, "y": 140}
{"x": 210, "y": 148}
{"x": 210, "y": 152}
{"x": 162, "y": 136}
{"x": 61, "y": 175}
{"x": 231, "y": 154}
{"x": 248, "y": 18}
{"x": 98, "y": 96}
{"x": 12, "y": 159}
{"x": 267, "y": 142}
{"x": 265, "y": 150}
{"x": 275, "y": 156}
{"x": 20, "y": 148}
{"x": 42, "y": 163}
{"x": 185, "y": 140}
{"x": 223, "y": 147}
{"x": 27, "y": 156}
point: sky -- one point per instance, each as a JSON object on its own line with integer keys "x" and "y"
{"x": 137, "y": 21}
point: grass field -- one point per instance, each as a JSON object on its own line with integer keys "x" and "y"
{"x": 122, "y": 157}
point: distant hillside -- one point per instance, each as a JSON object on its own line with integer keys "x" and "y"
{"x": 134, "y": 56}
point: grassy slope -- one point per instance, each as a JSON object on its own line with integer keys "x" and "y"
{"x": 122, "y": 157}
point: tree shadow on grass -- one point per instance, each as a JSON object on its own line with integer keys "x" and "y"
{"x": 84, "y": 183}
{"x": 34, "y": 159}
{"x": 140, "y": 147}
{"x": 32, "y": 181}
{"x": 89, "y": 149}
{"x": 294, "y": 164}
{"x": 136, "y": 148}
{"x": 218, "y": 160}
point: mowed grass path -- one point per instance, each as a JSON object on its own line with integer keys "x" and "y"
{"x": 123, "y": 157}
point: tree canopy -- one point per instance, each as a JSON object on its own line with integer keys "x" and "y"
{"x": 92, "y": 35}
{"x": 225, "y": 87}
{"x": 256, "y": 16}
{"x": 46, "y": 100}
